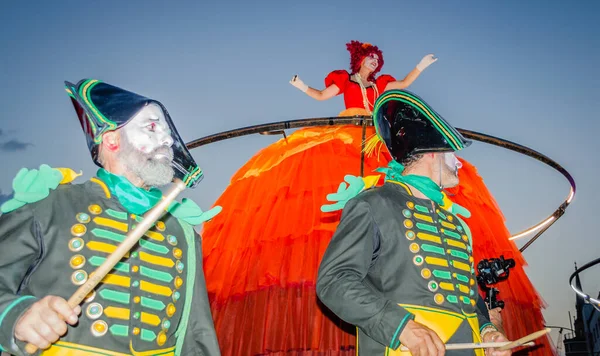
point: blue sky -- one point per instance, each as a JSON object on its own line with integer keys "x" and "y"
{"x": 524, "y": 71}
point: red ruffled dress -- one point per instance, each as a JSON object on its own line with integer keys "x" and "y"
{"x": 262, "y": 252}
{"x": 353, "y": 97}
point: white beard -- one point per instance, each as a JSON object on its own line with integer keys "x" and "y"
{"x": 153, "y": 171}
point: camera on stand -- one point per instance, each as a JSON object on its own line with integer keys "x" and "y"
{"x": 492, "y": 271}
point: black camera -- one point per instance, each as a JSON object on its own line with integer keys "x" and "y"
{"x": 492, "y": 271}
{"x": 491, "y": 298}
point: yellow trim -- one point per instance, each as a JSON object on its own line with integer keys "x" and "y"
{"x": 155, "y": 235}
{"x": 447, "y": 224}
{"x": 117, "y": 280}
{"x": 401, "y": 184}
{"x": 62, "y": 348}
{"x": 68, "y": 174}
{"x": 428, "y": 237}
{"x": 436, "y": 261}
{"x": 462, "y": 266}
{"x": 191, "y": 177}
{"x": 443, "y": 311}
{"x": 156, "y": 260}
{"x": 463, "y": 288}
{"x": 424, "y": 217}
{"x": 357, "y": 341}
{"x": 444, "y": 323}
{"x": 150, "y": 319}
{"x": 111, "y": 223}
{"x": 162, "y": 352}
{"x": 446, "y": 286}
{"x": 102, "y": 185}
{"x": 454, "y": 243}
{"x": 371, "y": 181}
{"x": 474, "y": 323}
{"x": 117, "y": 313}
{"x": 92, "y": 107}
{"x": 101, "y": 247}
{"x": 155, "y": 288}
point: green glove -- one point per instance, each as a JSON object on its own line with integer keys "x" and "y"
{"x": 191, "y": 213}
{"x": 460, "y": 210}
{"x": 31, "y": 186}
{"x": 344, "y": 193}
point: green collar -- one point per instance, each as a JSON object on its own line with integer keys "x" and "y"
{"x": 423, "y": 184}
{"x": 136, "y": 200}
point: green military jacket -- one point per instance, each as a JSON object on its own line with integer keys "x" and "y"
{"x": 395, "y": 258}
{"x": 154, "y": 302}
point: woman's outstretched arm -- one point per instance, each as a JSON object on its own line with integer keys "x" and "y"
{"x": 320, "y": 95}
{"x": 413, "y": 75}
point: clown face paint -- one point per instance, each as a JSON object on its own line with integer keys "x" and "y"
{"x": 148, "y": 130}
{"x": 452, "y": 162}
{"x": 145, "y": 147}
{"x": 371, "y": 61}
{"x": 447, "y": 168}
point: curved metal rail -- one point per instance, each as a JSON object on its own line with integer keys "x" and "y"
{"x": 586, "y": 297}
{"x": 364, "y": 121}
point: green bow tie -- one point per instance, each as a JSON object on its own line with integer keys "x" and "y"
{"x": 135, "y": 199}
{"x": 423, "y": 184}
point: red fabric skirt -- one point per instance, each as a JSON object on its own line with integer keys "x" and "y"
{"x": 262, "y": 252}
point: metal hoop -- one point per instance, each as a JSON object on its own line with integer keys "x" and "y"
{"x": 279, "y": 127}
{"x": 586, "y": 297}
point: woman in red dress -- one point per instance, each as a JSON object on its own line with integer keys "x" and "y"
{"x": 361, "y": 87}
{"x": 262, "y": 252}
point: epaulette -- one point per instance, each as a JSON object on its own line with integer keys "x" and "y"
{"x": 30, "y": 186}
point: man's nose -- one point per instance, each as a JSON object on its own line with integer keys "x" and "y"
{"x": 167, "y": 140}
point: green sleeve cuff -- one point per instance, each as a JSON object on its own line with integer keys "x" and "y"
{"x": 485, "y": 326}
{"x": 8, "y": 319}
{"x": 395, "y": 343}
{"x": 391, "y": 321}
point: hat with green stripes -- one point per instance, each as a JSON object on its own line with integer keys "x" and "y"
{"x": 409, "y": 126}
{"x": 102, "y": 107}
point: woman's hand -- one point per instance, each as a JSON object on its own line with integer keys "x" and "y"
{"x": 426, "y": 62}
{"x": 298, "y": 83}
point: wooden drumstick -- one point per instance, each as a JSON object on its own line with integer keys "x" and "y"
{"x": 524, "y": 339}
{"x": 475, "y": 345}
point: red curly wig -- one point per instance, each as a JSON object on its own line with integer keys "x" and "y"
{"x": 358, "y": 52}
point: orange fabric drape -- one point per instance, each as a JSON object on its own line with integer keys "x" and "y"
{"x": 262, "y": 252}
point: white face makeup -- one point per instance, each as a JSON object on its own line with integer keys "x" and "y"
{"x": 452, "y": 162}
{"x": 371, "y": 61}
{"x": 148, "y": 130}
{"x": 145, "y": 148}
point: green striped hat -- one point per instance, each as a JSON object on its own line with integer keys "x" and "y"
{"x": 409, "y": 126}
{"x": 102, "y": 107}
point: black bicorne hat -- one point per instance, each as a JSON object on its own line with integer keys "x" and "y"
{"x": 102, "y": 107}
{"x": 407, "y": 126}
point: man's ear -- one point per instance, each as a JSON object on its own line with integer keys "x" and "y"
{"x": 430, "y": 156}
{"x": 111, "y": 141}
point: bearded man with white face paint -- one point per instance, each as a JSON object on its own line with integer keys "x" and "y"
{"x": 400, "y": 264}
{"x": 54, "y": 234}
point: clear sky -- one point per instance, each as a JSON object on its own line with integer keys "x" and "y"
{"x": 521, "y": 70}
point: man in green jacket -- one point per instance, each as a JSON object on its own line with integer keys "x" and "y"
{"x": 400, "y": 264}
{"x": 53, "y": 235}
